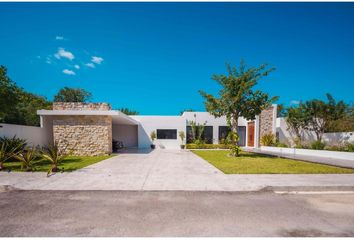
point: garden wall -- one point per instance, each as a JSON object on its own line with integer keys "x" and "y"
{"x": 34, "y": 135}
{"x": 309, "y": 152}
{"x": 286, "y": 136}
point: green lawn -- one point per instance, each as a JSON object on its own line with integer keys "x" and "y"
{"x": 253, "y": 163}
{"x": 69, "y": 164}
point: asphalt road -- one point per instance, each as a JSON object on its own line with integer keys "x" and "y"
{"x": 124, "y": 213}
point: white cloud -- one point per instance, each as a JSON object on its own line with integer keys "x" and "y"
{"x": 90, "y": 65}
{"x": 294, "y": 102}
{"x": 97, "y": 60}
{"x": 64, "y": 54}
{"x": 68, "y": 72}
{"x": 48, "y": 60}
{"x": 77, "y": 66}
{"x": 59, "y": 38}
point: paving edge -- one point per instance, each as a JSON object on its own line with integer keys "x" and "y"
{"x": 8, "y": 188}
{"x": 308, "y": 188}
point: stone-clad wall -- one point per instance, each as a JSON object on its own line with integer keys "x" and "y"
{"x": 83, "y": 135}
{"x": 81, "y": 106}
{"x": 266, "y": 121}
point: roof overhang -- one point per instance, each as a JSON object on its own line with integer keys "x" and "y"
{"x": 117, "y": 116}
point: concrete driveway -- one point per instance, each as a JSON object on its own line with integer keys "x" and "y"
{"x": 150, "y": 170}
{"x": 166, "y": 170}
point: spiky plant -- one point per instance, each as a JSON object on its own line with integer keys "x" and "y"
{"x": 14, "y": 144}
{"x": 6, "y": 154}
{"x": 52, "y": 153}
{"x": 27, "y": 157}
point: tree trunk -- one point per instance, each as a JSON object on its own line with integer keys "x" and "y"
{"x": 234, "y": 125}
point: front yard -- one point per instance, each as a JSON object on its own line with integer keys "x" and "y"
{"x": 253, "y": 163}
{"x": 69, "y": 164}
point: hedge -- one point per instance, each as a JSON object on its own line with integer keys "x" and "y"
{"x": 207, "y": 146}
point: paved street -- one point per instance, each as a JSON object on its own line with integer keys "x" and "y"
{"x": 165, "y": 170}
{"x": 141, "y": 213}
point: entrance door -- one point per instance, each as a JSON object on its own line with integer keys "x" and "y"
{"x": 250, "y": 137}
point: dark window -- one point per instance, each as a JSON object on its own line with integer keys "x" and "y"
{"x": 207, "y": 135}
{"x": 166, "y": 133}
{"x": 224, "y": 131}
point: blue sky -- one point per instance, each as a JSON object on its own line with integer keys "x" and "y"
{"x": 154, "y": 57}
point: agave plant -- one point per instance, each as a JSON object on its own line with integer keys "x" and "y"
{"x": 27, "y": 157}
{"x": 5, "y": 154}
{"x": 54, "y": 155}
{"x": 13, "y": 144}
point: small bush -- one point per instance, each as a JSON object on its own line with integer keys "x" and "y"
{"x": 318, "y": 145}
{"x": 349, "y": 147}
{"x": 268, "y": 139}
{"x": 207, "y": 146}
{"x": 280, "y": 144}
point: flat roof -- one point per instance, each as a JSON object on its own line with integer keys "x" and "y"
{"x": 117, "y": 116}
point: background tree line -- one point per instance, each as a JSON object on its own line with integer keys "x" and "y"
{"x": 18, "y": 106}
{"x": 320, "y": 117}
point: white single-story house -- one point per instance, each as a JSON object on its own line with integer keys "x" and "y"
{"x": 90, "y": 128}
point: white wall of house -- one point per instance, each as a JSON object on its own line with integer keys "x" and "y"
{"x": 33, "y": 135}
{"x": 205, "y": 117}
{"x": 152, "y": 123}
{"x": 287, "y": 136}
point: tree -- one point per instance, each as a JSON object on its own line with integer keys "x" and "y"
{"x": 344, "y": 124}
{"x": 18, "y": 106}
{"x": 127, "y": 111}
{"x": 320, "y": 114}
{"x": 297, "y": 121}
{"x": 281, "y": 110}
{"x": 237, "y": 96}
{"x": 8, "y": 95}
{"x": 67, "y": 94}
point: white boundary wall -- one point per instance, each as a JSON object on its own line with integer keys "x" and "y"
{"x": 34, "y": 135}
{"x": 287, "y": 136}
{"x": 309, "y": 152}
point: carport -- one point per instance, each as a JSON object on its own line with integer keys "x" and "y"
{"x": 125, "y": 130}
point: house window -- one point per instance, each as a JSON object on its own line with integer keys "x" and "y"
{"x": 207, "y": 135}
{"x": 224, "y": 131}
{"x": 166, "y": 133}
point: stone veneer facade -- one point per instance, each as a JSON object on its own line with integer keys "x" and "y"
{"x": 86, "y": 135}
{"x": 81, "y": 106}
{"x": 266, "y": 121}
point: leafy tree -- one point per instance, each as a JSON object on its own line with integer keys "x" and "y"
{"x": 26, "y": 109}
{"x": 345, "y": 124}
{"x": 127, "y": 111}
{"x": 8, "y": 94}
{"x": 281, "y": 110}
{"x": 237, "y": 96}
{"x": 16, "y": 105}
{"x": 67, "y": 94}
{"x": 320, "y": 114}
{"x": 297, "y": 121}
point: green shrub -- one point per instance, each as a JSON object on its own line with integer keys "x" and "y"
{"x": 280, "y": 144}
{"x": 268, "y": 139}
{"x": 318, "y": 145}
{"x": 334, "y": 148}
{"x": 207, "y": 146}
{"x": 349, "y": 147}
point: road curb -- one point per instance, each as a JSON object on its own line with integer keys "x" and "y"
{"x": 308, "y": 188}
